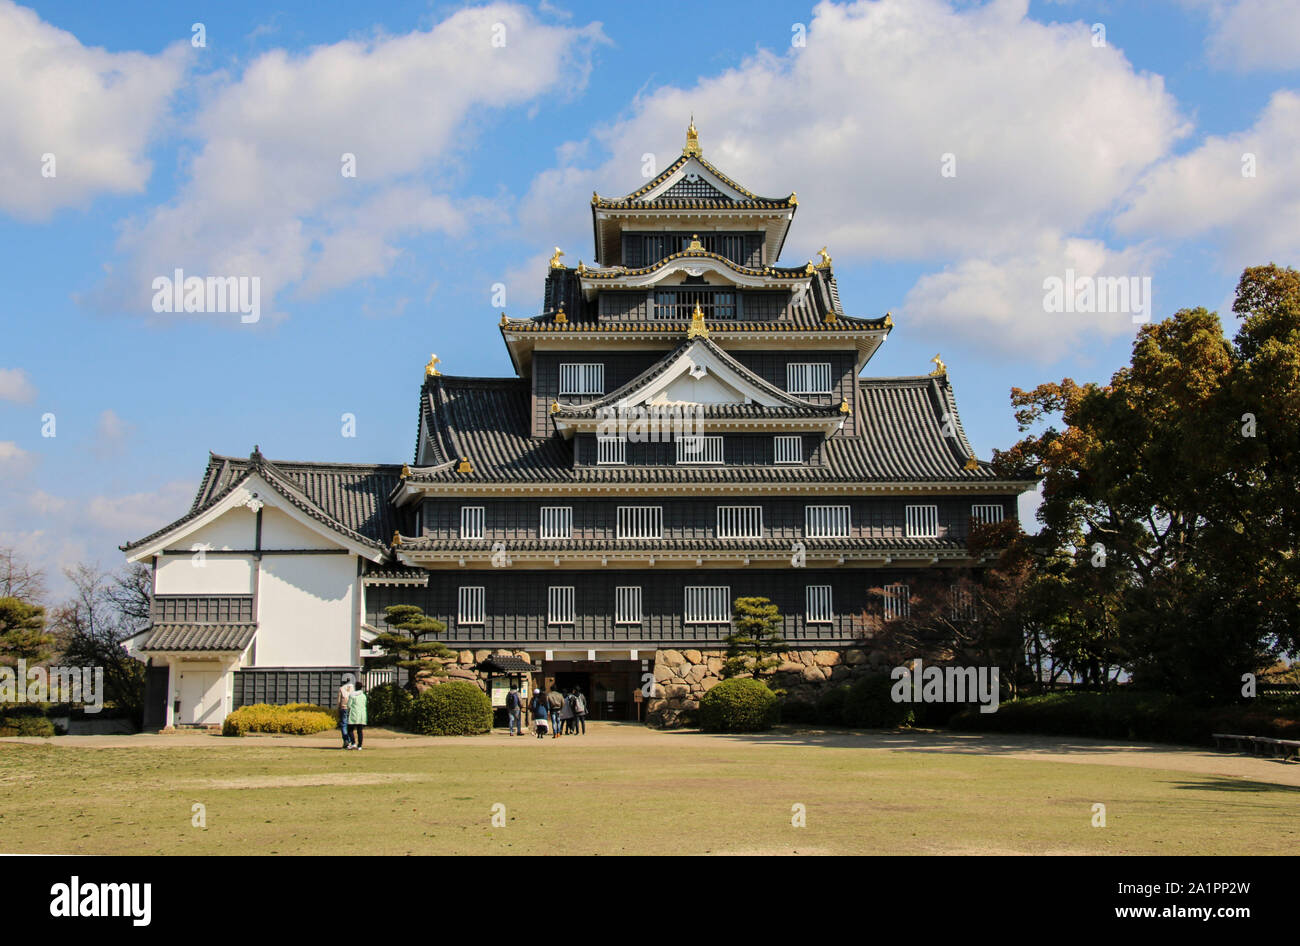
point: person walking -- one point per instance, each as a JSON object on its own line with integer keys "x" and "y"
{"x": 580, "y": 710}
{"x": 555, "y": 705}
{"x": 345, "y": 693}
{"x": 513, "y": 707}
{"x": 566, "y": 713}
{"x": 539, "y": 708}
{"x": 357, "y": 716}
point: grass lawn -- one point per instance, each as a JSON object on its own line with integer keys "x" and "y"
{"x": 649, "y": 793}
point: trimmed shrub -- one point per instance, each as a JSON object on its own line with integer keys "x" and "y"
{"x": 830, "y": 705}
{"x": 299, "y": 719}
{"x": 26, "y": 725}
{"x": 457, "y": 708}
{"x": 1133, "y": 715}
{"x": 741, "y": 704}
{"x": 868, "y": 705}
{"x": 388, "y": 705}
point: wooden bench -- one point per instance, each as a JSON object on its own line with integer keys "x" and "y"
{"x": 1258, "y": 745}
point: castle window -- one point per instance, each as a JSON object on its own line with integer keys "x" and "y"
{"x": 627, "y": 604}
{"x": 582, "y": 378}
{"x": 963, "y": 603}
{"x": 559, "y": 604}
{"x": 471, "y": 522}
{"x": 470, "y": 607}
{"x": 740, "y": 522}
{"x": 897, "y": 602}
{"x": 986, "y": 514}
{"x": 818, "y": 609}
{"x": 557, "y": 522}
{"x": 789, "y": 449}
{"x": 611, "y": 450}
{"x": 640, "y": 522}
{"x": 679, "y": 304}
{"x": 701, "y": 448}
{"x": 808, "y": 377}
{"x": 922, "y": 522}
{"x": 826, "y": 522}
{"x": 708, "y": 604}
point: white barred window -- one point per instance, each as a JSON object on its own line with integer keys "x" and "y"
{"x": 922, "y": 522}
{"x": 640, "y": 522}
{"x": 702, "y": 448}
{"x": 986, "y": 514}
{"x": 708, "y": 604}
{"x": 611, "y": 450}
{"x": 582, "y": 379}
{"x": 470, "y": 606}
{"x": 471, "y": 522}
{"x": 826, "y": 522}
{"x": 627, "y": 604}
{"x": 818, "y": 607}
{"x": 897, "y": 602}
{"x": 559, "y": 604}
{"x": 740, "y": 522}
{"x": 963, "y": 603}
{"x": 789, "y": 449}
{"x": 557, "y": 522}
{"x": 808, "y": 378}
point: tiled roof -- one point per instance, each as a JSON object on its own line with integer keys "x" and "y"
{"x": 395, "y": 575}
{"x": 349, "y": 498}
{"x": 791, "y": 405}
{"x": 663, "y": 546}
{"x": 207, "y": 637}
{"x": 488, "y": 421}
{"x": 635, "y": 200}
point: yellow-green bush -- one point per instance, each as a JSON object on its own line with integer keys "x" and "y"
{"x": 298, "y": 719}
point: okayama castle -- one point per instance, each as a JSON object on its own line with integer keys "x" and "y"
{"x": 687, "y": 424}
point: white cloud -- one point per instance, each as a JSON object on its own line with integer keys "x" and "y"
{"x": 1252, "y": 35}
{"x": 93, "y": 110}
{"x": 1048, "y": 133}
{"x": 1253, "y": 220}
{"x": 124, "y": 518}
{"x": 15, "y": 386}
{"x": 13, "y": 458}
{"x": 998, "y": 304}
{"x": 264, "y": 194}
{"x": 111, "y": 433}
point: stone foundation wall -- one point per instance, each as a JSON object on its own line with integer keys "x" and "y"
{"x": 683, "y": 676}
{"x": 462, "y": 668}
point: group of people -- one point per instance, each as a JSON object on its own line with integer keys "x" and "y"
{"x": 557, "y": 712}
{"x": 352, "y": 713}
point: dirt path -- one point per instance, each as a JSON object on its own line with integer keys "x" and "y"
{"x": 616, "y": 735}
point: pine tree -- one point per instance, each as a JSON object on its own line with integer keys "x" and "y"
{"x": 22, "y": 632}
{"x": 755, "y": 640}
{"x": 404, "y": 644}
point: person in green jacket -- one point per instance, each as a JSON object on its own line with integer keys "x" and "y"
{"x": 357, "y": 715}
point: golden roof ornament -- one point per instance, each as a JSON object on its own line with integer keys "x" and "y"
{"x": 555, "y": 407}
{"x": 397, "y": 539}
{"x": 696, "y": 246}
{"x": 406, "y": 471}
{"x": 692, "y": 149}
{"x": 504, "y": 320}
{"x": 940, "y": 369}
{"x": 560, "y": 317}
{"x": 431, "y": 369}
{"x": 793, "y": 199}
{"x": 582, "y": 268}
{"x": 555, "y": 259}
{"x": 889, "y": 320}
{"x": 971, "y": 465}
{"x": 830, "y": 317}
{"x": 464, "y": 466}
{"x": 826, "y": 259}
{"x": 809, "y": 268}
{"x": 698, "y": 329}
{"x": 844, "y": 408}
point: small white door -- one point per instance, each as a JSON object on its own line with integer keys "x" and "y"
{"x": 201, "y": 697}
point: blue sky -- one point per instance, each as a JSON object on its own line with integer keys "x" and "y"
{"x": 474, "y": 160}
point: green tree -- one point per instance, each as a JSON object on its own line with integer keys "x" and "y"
{"x": 1170, "y": 512}
{"x": 755, "y": 639}
{"x": 406, "y": 646}
{"x": 103, "y": 611}
{"x": 22, "y": 632}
